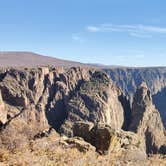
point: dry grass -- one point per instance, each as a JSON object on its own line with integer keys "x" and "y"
{"x": 19, "y": 149}
{"x": 49, "y": 152}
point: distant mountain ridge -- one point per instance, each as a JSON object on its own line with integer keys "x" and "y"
{"x": 30, "y": 59}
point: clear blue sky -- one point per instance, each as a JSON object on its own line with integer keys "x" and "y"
{"x": 113, "y": 32}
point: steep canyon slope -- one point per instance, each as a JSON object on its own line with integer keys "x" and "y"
{"x": 128, "y": 79}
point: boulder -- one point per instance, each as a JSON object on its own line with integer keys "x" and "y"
{"x": 82, "y": 129}
{"x": 106, "y": 140}
{"x": 80, "y": 144}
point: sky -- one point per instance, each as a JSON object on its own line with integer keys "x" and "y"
{"x": 110, "y": 32}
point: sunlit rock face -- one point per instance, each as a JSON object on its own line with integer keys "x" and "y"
{"x": 3, "y": 112}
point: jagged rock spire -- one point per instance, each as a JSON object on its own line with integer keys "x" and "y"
{"x": 146, "y": 120}
{"x": 142, "y": 97}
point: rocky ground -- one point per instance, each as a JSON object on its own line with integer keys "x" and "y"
{"x": 56, "y": 150}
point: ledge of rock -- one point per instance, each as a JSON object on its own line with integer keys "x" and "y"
{"x": 107, "y": 140}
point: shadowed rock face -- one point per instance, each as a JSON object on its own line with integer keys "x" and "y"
{"x": 146, "y": 120}
{"x": 159, "y": 100}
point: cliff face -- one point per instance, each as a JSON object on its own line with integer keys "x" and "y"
{"x": 38, "y": 95}
{"x": 128, "y": 79}
{"x": 146, "y": 120}
{"x": 97, "y": 101}
{"x": 48, "y": 96}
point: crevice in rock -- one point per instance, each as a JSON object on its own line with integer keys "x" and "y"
{"x": 42, "y": 134}
{"x": 10, "y": 99}
{"x": 3, "y": 126}
{"x": 31, "y": 83}
{"x": 159, "y": 100}
{"x": 127, "y": 112}
{"x": 51, "y": 112}
{"x": 45, "y": 83}
{"x": 150, "y": 147}
{"x": 67, "y": 98}
{"x": 163, "y": 149}
{"x": 57, "y": 114}
{"x": 2, "y": 76}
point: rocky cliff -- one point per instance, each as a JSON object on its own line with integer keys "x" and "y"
{"x": 38, "y": 95}
{"x": 48, "y": 96}
{"x": 128, "y": 79}
{"x": 97, "y": 100}
{"x": 146, "y": 120}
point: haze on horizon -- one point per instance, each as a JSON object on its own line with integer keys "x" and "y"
{"x": 110, "y": 32}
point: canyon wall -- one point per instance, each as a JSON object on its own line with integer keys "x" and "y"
{"x": 49, "y": 96}
{"x": 128, "y": 79}
{"x": 33, "y": 100}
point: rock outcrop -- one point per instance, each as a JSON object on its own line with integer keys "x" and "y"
{"x": 78, "y": 143}
{"x": 96, "y": 101}
{"x": 146, "y": 120}
{"x": 107, "y": 140}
